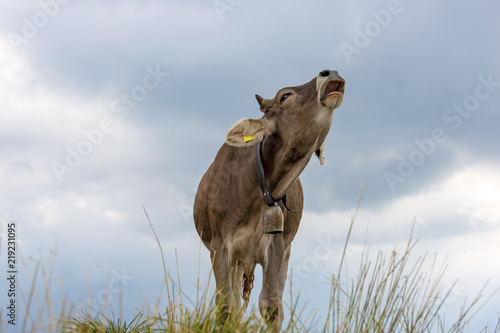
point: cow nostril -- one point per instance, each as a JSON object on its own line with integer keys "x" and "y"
{"x": 324, "y": 73}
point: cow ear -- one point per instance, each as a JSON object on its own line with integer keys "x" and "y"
{"x": 247, "y": 132}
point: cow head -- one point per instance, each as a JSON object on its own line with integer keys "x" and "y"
{"x": 300, "y": 116}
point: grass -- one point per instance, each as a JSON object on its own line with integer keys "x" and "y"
{"x": 393, "y": 293}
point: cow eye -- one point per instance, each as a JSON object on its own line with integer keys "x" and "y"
{"x": 285, "y": 96}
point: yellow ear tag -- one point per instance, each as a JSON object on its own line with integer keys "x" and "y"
{"x": 248, "y": 138}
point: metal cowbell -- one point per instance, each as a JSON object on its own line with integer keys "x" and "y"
{"x": 273, "y": 220}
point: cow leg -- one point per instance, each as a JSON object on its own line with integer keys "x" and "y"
{"x": 270, "y": 302}
{"x": 228, "y": 279}
{"x": 221, "y": 272}
{"x": 283, "y": 275}
{"x": 281, "y": 286}
{"x": 236, "y": 283}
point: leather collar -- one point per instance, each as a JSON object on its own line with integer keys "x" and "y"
{"x": 268, "y": 198}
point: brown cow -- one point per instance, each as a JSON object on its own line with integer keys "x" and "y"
{"x": 229, "y": 205}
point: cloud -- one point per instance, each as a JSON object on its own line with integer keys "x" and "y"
{"x": 463, "y": 207}
{"x": 46, "y": 127}
{"x": 455, "y": 219}
{"x": 464, "y": 201}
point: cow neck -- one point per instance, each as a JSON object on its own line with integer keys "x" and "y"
{"x": 268, "y": 197}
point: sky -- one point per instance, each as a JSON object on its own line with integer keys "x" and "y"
{"x": 111, "y": 107}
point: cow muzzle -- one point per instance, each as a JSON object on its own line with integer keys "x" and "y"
{"x": 331, "y": 87}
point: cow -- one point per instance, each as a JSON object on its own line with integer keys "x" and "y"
{"x": 230, "y": 203}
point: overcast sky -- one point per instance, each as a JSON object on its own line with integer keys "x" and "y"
{"x": 107, "y": 107}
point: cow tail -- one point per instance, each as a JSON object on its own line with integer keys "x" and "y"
{"x": 247, "y": 289}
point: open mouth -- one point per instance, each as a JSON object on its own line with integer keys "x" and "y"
{"x": 333, "y": 88}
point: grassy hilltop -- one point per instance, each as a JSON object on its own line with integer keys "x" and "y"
{"x": 386, "y": 295}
